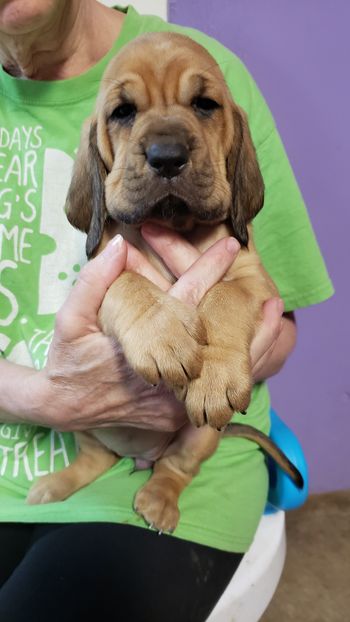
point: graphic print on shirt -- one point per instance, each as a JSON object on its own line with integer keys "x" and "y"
{"x": 36, "y": 269}
{"x": 40, "y": 257}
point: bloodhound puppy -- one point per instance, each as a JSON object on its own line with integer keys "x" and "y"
{"x": 167, "y": 144}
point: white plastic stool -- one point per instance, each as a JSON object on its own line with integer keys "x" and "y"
{"x": 253, "y": 585}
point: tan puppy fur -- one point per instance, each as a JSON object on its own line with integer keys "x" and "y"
{"x": 166, "y": 89}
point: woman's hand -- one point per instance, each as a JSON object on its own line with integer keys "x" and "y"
{"x": 274, "y": 341}
{"x": 87, "y": 382}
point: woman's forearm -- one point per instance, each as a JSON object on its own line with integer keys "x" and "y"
{"x": 22, "y": 389}
{"x": 20, "y": 393}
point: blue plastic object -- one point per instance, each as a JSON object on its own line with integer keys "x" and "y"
{"x": 283, "y": 493}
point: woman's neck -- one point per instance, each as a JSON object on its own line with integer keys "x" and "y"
{"x": 62, "y": 44}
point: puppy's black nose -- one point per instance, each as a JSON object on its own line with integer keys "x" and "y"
{"x": 167, "y": 158}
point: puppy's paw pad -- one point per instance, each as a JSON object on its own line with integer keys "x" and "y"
{"x": 159, "y": 510}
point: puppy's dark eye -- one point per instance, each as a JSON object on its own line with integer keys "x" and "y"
{"x": 204, "y": 105}
{"x": 125, "y": 113}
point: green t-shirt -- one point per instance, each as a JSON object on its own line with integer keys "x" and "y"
{"x": 40, "y": 258}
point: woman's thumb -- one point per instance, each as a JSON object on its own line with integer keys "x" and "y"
{"x": 78, "y": 316}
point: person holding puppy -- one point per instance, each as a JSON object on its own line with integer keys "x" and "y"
{"x": 82, "y": 555}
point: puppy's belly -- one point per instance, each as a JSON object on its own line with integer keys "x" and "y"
{"x": 141, "y": 444}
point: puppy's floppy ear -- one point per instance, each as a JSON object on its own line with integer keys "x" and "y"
{"x": 245, "y": 178}
{"x": 85, "y": 204}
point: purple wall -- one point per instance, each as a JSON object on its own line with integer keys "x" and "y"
{"x": 299, "y": 54}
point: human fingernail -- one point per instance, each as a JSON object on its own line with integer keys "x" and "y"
{"x": 232, "y": 245}
{"x": 113, "y": 246}
{"x": 117, "y": 240}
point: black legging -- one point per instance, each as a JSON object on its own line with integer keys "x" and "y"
{"x": 105, "y": 571}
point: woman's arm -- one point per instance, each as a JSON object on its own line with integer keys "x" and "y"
{"x": 87, "y": 382}
{"x": 20, "y": 393}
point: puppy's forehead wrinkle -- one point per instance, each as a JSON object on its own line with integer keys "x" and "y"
{"x": 159, "y": 60}
{"x": 169, "y": 47}
{"x": 111, "y": 86}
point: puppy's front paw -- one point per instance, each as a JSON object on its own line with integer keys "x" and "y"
{"x": 224, "y": 387}
{"x": 165, "y": 343}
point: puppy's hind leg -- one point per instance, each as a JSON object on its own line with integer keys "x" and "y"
{"x": 157, "y": 500}
{"x": 92, "y": 460}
